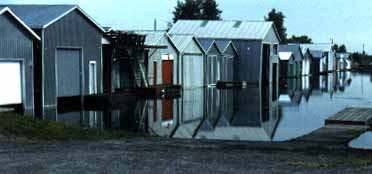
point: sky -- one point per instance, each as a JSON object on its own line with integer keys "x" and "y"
{"x": 344, "y": 21}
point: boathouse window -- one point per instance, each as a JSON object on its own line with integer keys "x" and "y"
{"x": 92, "y": 77}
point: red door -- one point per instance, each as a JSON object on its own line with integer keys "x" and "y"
{"x": 167, "y": 110}
{"x": 167, "y": 71}
{"x": 155, "y": 73}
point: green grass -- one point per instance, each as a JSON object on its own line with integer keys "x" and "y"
{"x": 12, "y": 124}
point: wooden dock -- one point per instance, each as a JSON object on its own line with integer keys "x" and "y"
{"x": 334, "y": 134}
{"x": 342, "y": 127}
{"x": 351, "y": 116}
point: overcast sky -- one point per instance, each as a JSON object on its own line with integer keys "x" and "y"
{"x": 346, "y": 21}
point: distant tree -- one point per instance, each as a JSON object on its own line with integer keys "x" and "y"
{"x": 342, "y": 49}
{"x": 197, "y": 9}
{"x": 335, "y": 47}
{"x": 361, "y": 58}
{"x": 339, "y": 48}
{"x": 210, "y": 10}
{"x": 189, "y": 9}
{"x": 278, "y": 18}
{"x": 299, "y": 39}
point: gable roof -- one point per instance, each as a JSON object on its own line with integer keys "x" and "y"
{"x": 181, "y": 42}
{"x": 224, "y": 45}
{"x": 285, "y": 55}
{"x": 248, "y": 30}
{"x": 295, "y": 49}
{"x": 42, "y": 16}
{"x": 325, "y": 47}
{"x": 7, "y": 10}
{"x": 153, "y": 38}
{"x": 206, "y": 44}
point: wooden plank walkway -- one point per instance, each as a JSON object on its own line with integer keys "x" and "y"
{"x": 351, "y": 116}
{"x": 342, "y": 127}
{"x": 334, "y": 134}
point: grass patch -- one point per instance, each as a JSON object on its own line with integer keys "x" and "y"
{"x": 12, "y": 124}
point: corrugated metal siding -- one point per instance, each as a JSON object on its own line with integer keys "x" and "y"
{"x": 249, "y": 61}
{"x": 15, "y": 43}
{"x": 254, "y": 30}
{"x": 213, "y": 65}
{"x": 228, "y": 64}
{"x": 71, "y": 31}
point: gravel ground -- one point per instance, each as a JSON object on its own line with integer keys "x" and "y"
{"x": 157, "y": 155}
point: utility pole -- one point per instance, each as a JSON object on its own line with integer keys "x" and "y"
{"x": 155, "y": 25}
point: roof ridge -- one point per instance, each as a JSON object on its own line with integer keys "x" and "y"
{"x": 229, "y": 20}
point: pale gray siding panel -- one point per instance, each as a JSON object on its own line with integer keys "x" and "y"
{"x": 72, "y": 31}
{"x": 16, "y": 44}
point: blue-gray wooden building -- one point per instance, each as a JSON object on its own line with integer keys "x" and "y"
{"x": 68, "y": 59}
{"x": 256, "y": 43}
{"x": 16, "y": 61}
{"x": 296, "y": 51}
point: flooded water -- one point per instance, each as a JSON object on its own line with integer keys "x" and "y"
{"x": 240, "y": 114}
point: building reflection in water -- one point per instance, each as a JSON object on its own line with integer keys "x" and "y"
{"x": 210, "y": 113}
{"x": 226, "y": 114}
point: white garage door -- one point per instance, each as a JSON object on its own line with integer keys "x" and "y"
{"x": 10, "y": 80}
{"x": 193, "y": 71}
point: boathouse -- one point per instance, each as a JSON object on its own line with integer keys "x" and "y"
{"x": 317, "y": 63}
{"x": 68, "y": 58}
{"x": 306, "y": 62}
{"x": 257, "y": 47}
{"x": 328, "y": 61}
{"x": 298, "y": 57}
{"x": 161, "y": 57}
{"x": 213, "y": 61}
{"x": 343, "y": 61}
{"x": 287, "y": 65}
{"x": 191, "y": 60}
{"x": 16, "y": 62}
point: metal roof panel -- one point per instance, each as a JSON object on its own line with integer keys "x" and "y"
{"x": 250, "y": 30}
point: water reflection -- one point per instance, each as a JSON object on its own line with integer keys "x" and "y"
{"x": 237, "y": 114}
{"x": 215, "y": 114}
